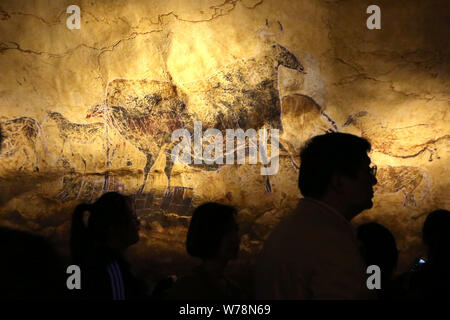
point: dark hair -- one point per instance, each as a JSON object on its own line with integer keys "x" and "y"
{"x": 209, "y": 224}
{"x": 379, "y": 247}
{"x": 111, "y": 209}
{"x": 436, "y": 228}
{"x": 325, "y": 154}
{"x": 22, "y": 251}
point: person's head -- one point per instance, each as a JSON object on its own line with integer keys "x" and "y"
{"x": 336, "y": 164}
{"x": 378, "y": 247}
{"x": 30, "y": 268}
{"x": 111, "y": 222}
{"x": 213, "y": 233}
{"x": 436, "y": 234}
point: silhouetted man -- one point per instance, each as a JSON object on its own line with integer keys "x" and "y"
{"x": 313, "y": 253}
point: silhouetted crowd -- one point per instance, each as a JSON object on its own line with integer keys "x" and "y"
{"x": 314, "y": 253}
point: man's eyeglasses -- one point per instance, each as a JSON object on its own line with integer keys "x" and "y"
{"x": 373, "y": 170}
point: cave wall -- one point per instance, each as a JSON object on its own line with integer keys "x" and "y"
{"x": 91, "y": 110}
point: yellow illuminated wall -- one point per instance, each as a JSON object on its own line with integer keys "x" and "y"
{"x": 92, "y": 109}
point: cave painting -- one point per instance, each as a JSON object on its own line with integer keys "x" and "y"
{"x": 178, "y": 200}
{"x": 20, "y": 141}
{"x": 302, "y": 118}
{"x": 243, "y": 95}
{"x": 397, "y": 142}
{"x": 145, "y": 113}
{"x": 71, "y": 132}
{"x": 88, "y": 188}
{"x": 405, "y": 180}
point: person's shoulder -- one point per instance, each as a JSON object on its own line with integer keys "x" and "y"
{"x": 292, "y": 221}
{"x": 303, "y": 222}
{"x": 289, "y": 231}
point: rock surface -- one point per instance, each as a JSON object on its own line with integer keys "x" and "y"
{"x": 91, "y": 110}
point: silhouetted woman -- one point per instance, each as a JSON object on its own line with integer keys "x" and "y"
{"x": 98, "y": 248}
{"x": 213, "y": 236}
{"x": 379, "y": 248}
